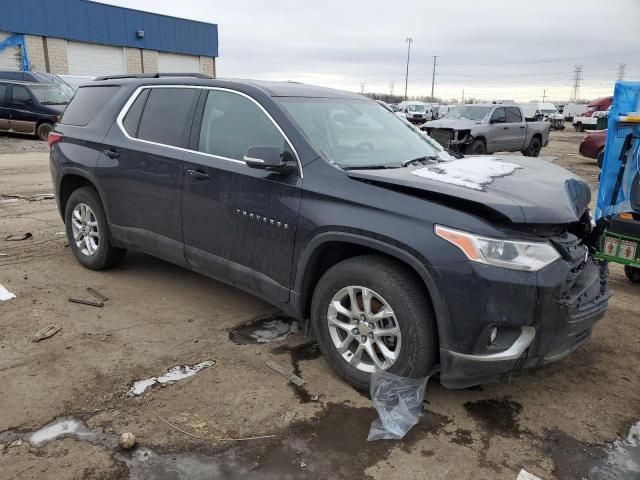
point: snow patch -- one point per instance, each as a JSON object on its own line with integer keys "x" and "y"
{"x": 623, "y": 458}
{"x": 474, "y": 173}
{"x": 5, "y": 294}
{"x": 173, "y": 375}
{"x": 65, "y": 426}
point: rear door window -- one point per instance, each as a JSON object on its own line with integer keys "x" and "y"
{"x": 20, "y": 96}
{"x": 513, "y": 115}
{"x": 232, "y": 123}
{"x": 86, "y": 104}
{"x": 131, "y": 120}
{"x": 3, "y": 91}
{"x": 167, "y": 116}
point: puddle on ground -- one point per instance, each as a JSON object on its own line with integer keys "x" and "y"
{"x": 303, "y": 352}
{"x": 622, "y": 458}
{"x": 497, "y": 415}
{"x": 274, "y": 328}
{"x": 173, "y": 375}
{"x": 333, "y": 444}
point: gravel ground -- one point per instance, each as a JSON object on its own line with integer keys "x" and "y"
{"x": 554, "y": 422}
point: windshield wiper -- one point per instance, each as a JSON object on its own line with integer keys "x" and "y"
{"x": 370, "y": 167}
{"x": 427, "y": 158}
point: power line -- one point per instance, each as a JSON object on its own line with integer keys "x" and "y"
{"x": 575, "y": 92}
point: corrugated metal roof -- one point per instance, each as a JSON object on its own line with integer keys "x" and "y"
{"x": 108, "y": 25}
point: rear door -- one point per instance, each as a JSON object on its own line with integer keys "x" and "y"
{"x": 239, "y": 223}
{"x": 516, "y": 130}
{"x": 5, "y": 112}
{"x": 140, "y": 171}
{"x": 21, "y": 103}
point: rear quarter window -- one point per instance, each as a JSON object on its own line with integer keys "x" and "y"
{"x": 86, "y": 104}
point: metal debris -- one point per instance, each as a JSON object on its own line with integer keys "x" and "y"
{"x": 17, "y": 237}
{"x": 86, "y": 302}
{"x": 296, "y": 380}
{"x": 46, "y": 332}
{"x": 97, "y": 294}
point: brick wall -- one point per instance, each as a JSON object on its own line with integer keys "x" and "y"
{"x": 35, "y": 52}
{"x": 208, "y": 66}
{"x": 150, "y": 61}
{"x": 134, "y": 60}
{"x": 56, "y": 49}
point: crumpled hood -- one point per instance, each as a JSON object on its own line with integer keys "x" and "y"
{"x": 456, "y": 124}
{"x": 523, "y": 189}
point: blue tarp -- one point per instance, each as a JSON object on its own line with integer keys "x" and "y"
{"x": 626, "y": 99}
{"x": 18, "y": 40}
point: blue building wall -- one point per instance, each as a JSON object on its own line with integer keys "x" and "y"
{"x": 92, "y": 22}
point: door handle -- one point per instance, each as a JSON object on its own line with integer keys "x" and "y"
{"x": 198, "y": 174}
{"x": 505, "y": 128}
{"x": 111, "y": 153}
{"x": 521, "y": 126}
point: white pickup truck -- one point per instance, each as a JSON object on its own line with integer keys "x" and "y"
{"x": 582, "y": 123}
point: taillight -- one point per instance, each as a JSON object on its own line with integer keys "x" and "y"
{"x": 54, "y": 138}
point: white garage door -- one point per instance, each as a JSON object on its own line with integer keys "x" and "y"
{"x": 9, "y": 56}
{"x": 94, "y": 60}
{"x": 173, "y": 62}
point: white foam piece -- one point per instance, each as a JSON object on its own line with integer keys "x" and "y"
{"x": 174, "y": 374}
{"x": 5, "y": 294}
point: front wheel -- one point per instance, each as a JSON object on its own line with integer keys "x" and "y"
{"x": 533, "y": 150}
{"x": 88, "y": 231}
{"x": 632, "y": 273}
{"x": 43, "y": 131}
{"x": 579, "y": 127}
{"x": 477, "y": 147}
{"x": 369, "y": 313}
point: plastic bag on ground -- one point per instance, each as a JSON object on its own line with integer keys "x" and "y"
{"x": 398, "y": 401}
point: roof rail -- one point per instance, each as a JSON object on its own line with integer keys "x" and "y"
{"x": 153, "y": 75}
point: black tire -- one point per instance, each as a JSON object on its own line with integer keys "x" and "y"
{"x": 406, "y": 296}
{"x": 477, "y": 147}
{"x": 43, "y": 131}
{"x": 533, "y": 150}
{"x": 579, "y": 127}
{"x": 106, "y": 254}
{"x": 632, "y": 273}
{"x": 600, "y": 158}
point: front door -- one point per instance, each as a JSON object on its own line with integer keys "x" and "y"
{"x": 21, "y": 104}
{"x": 239, "y": 223}
{"x": 5, "y": 112}
{"x": 496, "y": 137}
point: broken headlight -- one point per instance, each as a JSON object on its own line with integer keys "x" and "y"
{"x": 512, "y": 254}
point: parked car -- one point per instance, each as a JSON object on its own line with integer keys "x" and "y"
{"x": 534, "y": 111}
{"x": 571, "y": 110}
{"x": 440, "y": 111}
{"x": 31, "y": 108}
{"x": 35, "y": 77}
{"x": 592, "y": 146}
{"x": 415, "y": 112}
{"x": 487, "y": 128}
{"x": 590, "y": 121}
{"x": 404, "y": 258}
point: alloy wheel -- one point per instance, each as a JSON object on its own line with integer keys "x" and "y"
{"x": 84, "y": 226}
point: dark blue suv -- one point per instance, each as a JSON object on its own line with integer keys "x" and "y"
{"x": 329, "y": 206}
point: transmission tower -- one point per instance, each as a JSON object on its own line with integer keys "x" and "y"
{"x": 362, "y": 88}
{"x": 622, "y": 68}
{"x": 577, "y": 78}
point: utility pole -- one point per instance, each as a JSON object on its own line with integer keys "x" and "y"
{"x": 622, "y": 67}
{"x": 577, "y": 78}
{"x": 462, "y": 96}
{"x": 406, "y": 78}
{"x": 391, "y": 85}
{"x": 544, "y": 94}
{"x": 433, "y": 76}
{"x": 362, "y": 88}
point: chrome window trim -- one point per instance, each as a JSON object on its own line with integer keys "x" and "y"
{"x": 136, "y": 93}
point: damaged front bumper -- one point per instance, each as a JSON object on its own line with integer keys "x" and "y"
{"x": 455, "y": 140}
{"x": 504, "y": 321}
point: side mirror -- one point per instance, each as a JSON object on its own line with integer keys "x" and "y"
{"x": 270, "y": 158}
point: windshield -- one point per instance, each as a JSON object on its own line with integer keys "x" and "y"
{"x": 356, "y": 133}
{"x": 52, "y": 94}
{"x": 417, "y": 108}
{"x": 468, "y": 112}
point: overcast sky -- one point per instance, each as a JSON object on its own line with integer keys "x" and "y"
{"x": 493, "y": 49}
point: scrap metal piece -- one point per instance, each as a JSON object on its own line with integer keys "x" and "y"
{"x": 46, "y": 332}
{"x": 296, "y": 380}
{"x": 86, "y": 302}
{"x": 18, "y": 238}
{"x": 97, "y": 294}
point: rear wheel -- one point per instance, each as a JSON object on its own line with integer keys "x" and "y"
{"x": 533, "y": 150}
{"x": 632, "y": 273}
{"x": 600, "y": 158}
{"x": 43, "y": 131}
{"x": 370, "y": 313}
{"x": 477, "y": 147}
{"x": 88, "y": 231}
